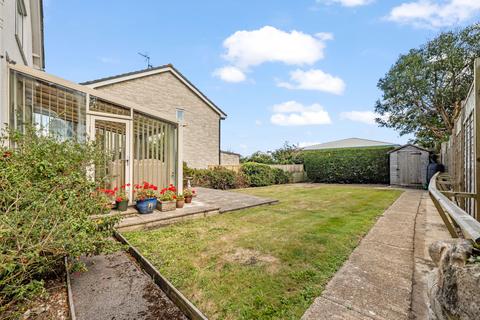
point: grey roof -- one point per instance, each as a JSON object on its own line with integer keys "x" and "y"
{"x": 350, "y": 143}
{"x": 165, "y": 66}
{"x": 408, "y": 145}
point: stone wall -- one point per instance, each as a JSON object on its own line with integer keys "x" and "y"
{"x": 454, "y": 285}
{"x": 229, "y": 158}
{"x": 165, "y": 92}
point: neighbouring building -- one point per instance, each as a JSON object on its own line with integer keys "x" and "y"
{"x": 350, "y": 143}
{"x": 21, "y": 42}
{"x": 166, "y": 90}
{"x": 229, "y": 158}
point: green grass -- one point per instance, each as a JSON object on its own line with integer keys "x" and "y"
{"x": 268, "y": 262}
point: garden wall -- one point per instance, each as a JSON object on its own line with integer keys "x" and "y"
{"x": 348, "y": 165}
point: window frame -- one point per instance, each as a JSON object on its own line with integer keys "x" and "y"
{"x": 177, "y": 110}
{"x": 20, "y": 13}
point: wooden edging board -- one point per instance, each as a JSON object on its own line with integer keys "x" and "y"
{"x": 176, "y": 296}
{"x": 71, "y": 306}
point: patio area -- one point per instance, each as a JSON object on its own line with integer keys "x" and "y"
{"x": 207, "y": 202}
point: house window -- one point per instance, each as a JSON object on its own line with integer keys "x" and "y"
{"x": 180, "y": 115}
{"x": 20, "y": 22}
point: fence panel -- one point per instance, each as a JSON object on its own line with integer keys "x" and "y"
{"x": 460, "y": 153}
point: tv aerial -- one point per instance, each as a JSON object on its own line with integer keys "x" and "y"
{"x": 146, "y": 56}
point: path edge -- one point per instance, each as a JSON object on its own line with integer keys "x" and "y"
{"x": 187, "y": 307}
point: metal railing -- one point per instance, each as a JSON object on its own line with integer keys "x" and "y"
{"x": 459, "y": 223}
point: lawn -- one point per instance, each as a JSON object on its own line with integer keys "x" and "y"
{"x": 268, "y": 262}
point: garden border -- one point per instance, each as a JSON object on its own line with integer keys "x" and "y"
{"x": 71, "y": 306}
{"x": 187, "y": 307}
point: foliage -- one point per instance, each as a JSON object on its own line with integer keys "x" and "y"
{"x": 145, "y": 191}
{"x": 251, "y": 174}
{"x": 259, "y": 157}
{"x": 117, "y": 194}
{"x": 278, "y": 258}
{"x": 45, "y": 203}
{"x": 168, "y": 193}
{"x": 287, "y": 154}
{"x": 348, "y": 165}
{"x": 189, "y": 192}
{"x": 180, "y": 197}
{"x": 423, "y": 90}
{"x": 258, "y": 174}
{"x": 280, "y": 176}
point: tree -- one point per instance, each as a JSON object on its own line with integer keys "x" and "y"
{"x": 423, "y": 90}
{"x": 288, "y": 154}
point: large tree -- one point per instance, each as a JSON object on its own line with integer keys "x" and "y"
{"x": 423, "y": 90}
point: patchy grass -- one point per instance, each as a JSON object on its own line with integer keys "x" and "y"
{"x": 267, "y": 262}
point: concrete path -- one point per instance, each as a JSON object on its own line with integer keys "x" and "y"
{"x": 377, "y": 280}
{"x": 114, "y": 287}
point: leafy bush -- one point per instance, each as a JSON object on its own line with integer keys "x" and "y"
{"x": 45, "y": 203}
{"x": 251, "y": 174}
{"x": 287, "y": 154}
{"x": 280, "y": 176}
{"x": 348, "y": 165}
{"x": 258, "y": 174}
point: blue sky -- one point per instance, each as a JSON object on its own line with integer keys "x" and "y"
{"x": 302, "y": 71}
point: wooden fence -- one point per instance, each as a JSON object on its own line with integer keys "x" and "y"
{"x": 461, "y": 153}
{"x": 296, "y": 170}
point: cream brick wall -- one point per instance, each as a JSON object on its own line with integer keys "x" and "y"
{"x": 228, "y": 158}
{"x": 165, "y": 92}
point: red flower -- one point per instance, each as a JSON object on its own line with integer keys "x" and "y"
{"x": 119, "y": 199}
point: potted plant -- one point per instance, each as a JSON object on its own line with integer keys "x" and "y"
{"x": 189, "y": 194}
{"x": 168, "y": 199}
{"x": 145, "y": 197}
{"x": 121, "y": 197}
{"x": 180, "y": 201}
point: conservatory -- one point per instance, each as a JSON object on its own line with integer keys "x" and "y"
{"x": 141, "y": 144}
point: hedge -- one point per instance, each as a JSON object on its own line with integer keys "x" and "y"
{"x": 348, "y": 165}
{"x": 251, "y": 174}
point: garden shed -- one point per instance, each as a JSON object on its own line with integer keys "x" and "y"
{"x": 408, "y": 166}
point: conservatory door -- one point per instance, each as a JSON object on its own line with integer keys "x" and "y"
{"x": 113, "y": 136}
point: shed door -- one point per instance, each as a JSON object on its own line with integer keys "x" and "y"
{"x": 409, "y": 164}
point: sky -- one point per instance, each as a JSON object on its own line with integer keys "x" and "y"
{"x": 302, "y": 71}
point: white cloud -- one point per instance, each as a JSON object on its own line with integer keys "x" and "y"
{"x": 245, "y": 49}
{"x": 314, "y": 79}
{"x": 230, "y": 74}
{"x": 258, "y": 123}
{"x": 367, "y": 117}
{"x": 307, "y": 143}
{"x": 434, "y": 14}
{"x": 349, "y": 3}
{"x": 292, "y": 113}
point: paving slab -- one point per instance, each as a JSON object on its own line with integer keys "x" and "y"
{"x": 376, "y": 281}
{"x": 114, "y": 287}
{"x": 230, "y": 200}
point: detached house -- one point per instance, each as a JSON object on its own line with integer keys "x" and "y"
{"x": 166, "y": 90}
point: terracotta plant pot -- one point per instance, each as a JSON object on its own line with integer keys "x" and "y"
{"x": 166, "y": 205}
{"x": 180, "y": 203}
{"x": 122, "y": 205}
{"x": 188, "y": 199}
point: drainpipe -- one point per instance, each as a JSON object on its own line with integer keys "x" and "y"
{"x": 180, "y": 158}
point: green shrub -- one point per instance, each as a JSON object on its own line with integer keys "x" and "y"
{"x": 280, "y": 176}
{"x": 258, "y": 174}
{"x": 45, "y": 203}
{"x": 348, "y": 165}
